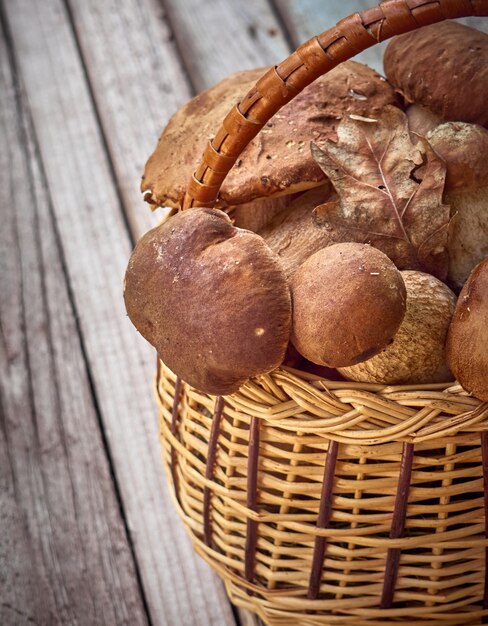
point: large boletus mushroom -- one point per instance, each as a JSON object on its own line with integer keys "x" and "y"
{"x": 211, "y": 298}
{"x": 444, "y": 67}
{"x": 464, "y": 149}
{"x": 277, "y": 164}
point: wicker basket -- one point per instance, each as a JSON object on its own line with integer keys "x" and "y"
{"x": 324, "y": 502}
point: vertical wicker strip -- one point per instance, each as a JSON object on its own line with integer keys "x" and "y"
{"x": 252, "y": 488}
{"x": 397, "y": 525}
{"x": 209, "y": 469}
{"x": 323, "y": 519}
{"x": 444, "y": 499}
{"x": 285, "y": 507}
{"x": 229, "y": 471}
{"x": 484, "y": 456}
{"x": 354, "y": 524}
{"x": 174, "y": 431}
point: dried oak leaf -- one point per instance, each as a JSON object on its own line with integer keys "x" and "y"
{"x": 390, "y": 192}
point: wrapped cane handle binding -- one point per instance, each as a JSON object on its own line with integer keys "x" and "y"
{"x": 312, "y": 59}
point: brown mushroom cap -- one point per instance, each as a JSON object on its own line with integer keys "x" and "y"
{"x": 278, "y": 160}
{"x": 444, "y": 67}
{"x": 417, "y": 353}
{"x": 464, "y": 148}
{"x": 467, "y": 340}
{"x": 348, "y": 301}
{"x": 211, "y": 298}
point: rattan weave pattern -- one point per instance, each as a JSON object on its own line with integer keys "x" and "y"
{"x": 441, "y": 550}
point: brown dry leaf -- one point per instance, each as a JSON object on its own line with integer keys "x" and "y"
{"x": 385, "y": 199}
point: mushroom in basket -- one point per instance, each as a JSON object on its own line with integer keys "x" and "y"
{"x": 351, "y": 240}
{"x": 277, "y": 164}
{"x": 467, "y": 341}
{"x": 213, "y": 298}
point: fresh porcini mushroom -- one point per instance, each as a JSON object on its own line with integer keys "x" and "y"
{"x": 417, "y": 353}
{"x": 348, "y": 302}
{"x": 211, "y": 298}
{"x": 278, "y": 161}
{"x": 293, "y": 234}
{"x": 464, "y": 148}
{"x": 444, "y": 67}
{"x": 467, "y": 340}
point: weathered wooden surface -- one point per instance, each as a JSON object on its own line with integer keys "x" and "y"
{"x": 95, "y": 246}
{"x": 218, "y": 37}
{"x": 64, "y": 553}
{"x": 88, "y": 534}
{"x": 137, "y": 80}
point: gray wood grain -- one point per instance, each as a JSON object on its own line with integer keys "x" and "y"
{"x": 307, "y": 18}
{"x": 64, "y": 552}
{"x": 136, "y": 95}
{"x": 179, "y": 588}
{"x": 137, "y": 81}
{"x": 217, "y": 37}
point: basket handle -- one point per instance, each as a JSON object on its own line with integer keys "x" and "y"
{"x": 315, "y": 57}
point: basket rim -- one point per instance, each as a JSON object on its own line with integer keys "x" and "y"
{"x": 365, "y": 414}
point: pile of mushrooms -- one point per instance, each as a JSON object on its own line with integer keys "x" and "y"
{"x": 284, "y": 266}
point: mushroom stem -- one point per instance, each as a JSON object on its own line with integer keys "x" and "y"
{"x": 293, "y": 234}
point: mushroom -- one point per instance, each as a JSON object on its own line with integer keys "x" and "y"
{"x": 464, "y": 148}
{"x": 467, "y": 341}
{"x": 293, "y": 234}
{"x": 444, "y": 67}
{"x": 348, "y": 302}
{"x": 257, "y": 214}
{"x": 278, "y": 161}
{"x": 417, "y": 353}
{"x": 211, "y": 298}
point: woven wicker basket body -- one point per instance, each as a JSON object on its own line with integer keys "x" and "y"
{"x": 324, "y": 502}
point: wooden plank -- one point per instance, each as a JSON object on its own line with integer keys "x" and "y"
{"x": 178, "y": 587}
{"x": 219, "y": 37}
{"x": 64, "y": 552}
{"x": 308, "y": 18}
{"x": 137, "y": 82}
